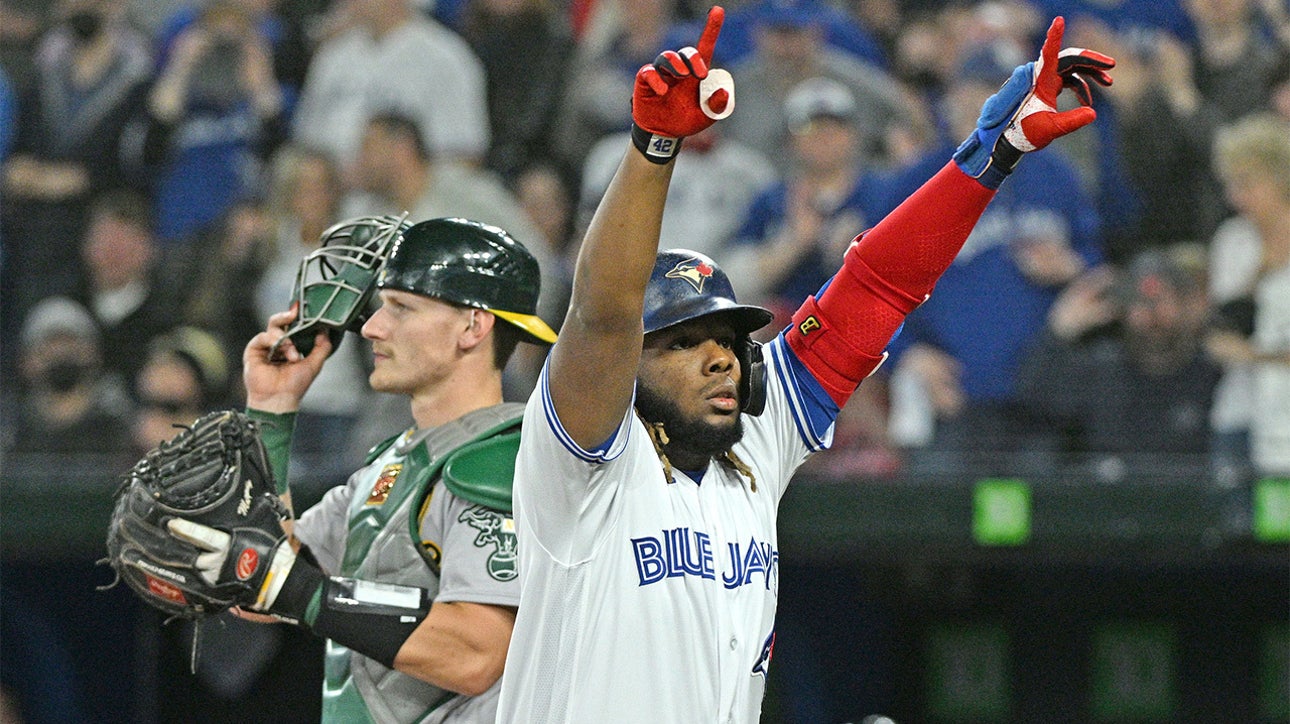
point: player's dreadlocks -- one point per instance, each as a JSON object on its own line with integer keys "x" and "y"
{"x": 658, "y": 436}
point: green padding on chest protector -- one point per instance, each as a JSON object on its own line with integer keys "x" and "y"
{"x": 380, "y": 447}
{"x": 482, "y": 471}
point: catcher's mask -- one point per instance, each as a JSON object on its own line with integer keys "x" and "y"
{"x": 336, "y": 283}
{"x": 469, "y": 263}
{"x": 687, "y": 285}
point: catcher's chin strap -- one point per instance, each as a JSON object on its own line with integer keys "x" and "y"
{"x": 658, "y": 436}
{"x": 373, "y": 619}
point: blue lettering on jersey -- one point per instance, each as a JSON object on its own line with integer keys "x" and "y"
{"x": 759, "y": 558}
{"x": 680, "y": 552}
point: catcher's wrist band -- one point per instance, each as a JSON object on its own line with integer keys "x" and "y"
{"x": 374, "y": 619}
{"x": 656, "y": 148}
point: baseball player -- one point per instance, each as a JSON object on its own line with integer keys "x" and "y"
{"x": 409, "y": 570}
{"x": 660, "y": 438}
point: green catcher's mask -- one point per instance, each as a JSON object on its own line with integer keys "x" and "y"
{"x": 469, "y": 263}
{"x": 336, "y": 283}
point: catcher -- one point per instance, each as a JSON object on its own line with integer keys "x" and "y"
{"x": 409, "y": 569}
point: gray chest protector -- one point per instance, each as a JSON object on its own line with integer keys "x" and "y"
{"x": 384, "y": 544}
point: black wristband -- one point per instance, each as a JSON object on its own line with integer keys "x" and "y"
{"x": 373, "y": 619}
{"x": 304, "y": 581}
{"x": 656, "y": 148}
{"x": 1003, "y": 160}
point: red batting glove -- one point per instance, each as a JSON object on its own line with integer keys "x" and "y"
{"x": 1077, "y": 66}
{"x": 666, "y": 101}
{"x": 1038, "y": 122}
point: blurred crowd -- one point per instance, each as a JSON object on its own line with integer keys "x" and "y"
{"x": 1122, "y": 308}
{"x": 166, "y": 164}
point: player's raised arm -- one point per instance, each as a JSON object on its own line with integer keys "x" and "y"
{"x": 887, "y": 272}
{"x": 593, "y": 365}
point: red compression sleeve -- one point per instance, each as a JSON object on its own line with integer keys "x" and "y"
{"x": 886, "y": 273}
{"x": 918, "y": 241}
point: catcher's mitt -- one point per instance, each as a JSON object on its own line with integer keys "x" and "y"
{"x": 197, "y": 523}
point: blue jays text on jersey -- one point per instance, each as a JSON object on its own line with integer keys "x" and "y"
{"x": 680, "y": 552}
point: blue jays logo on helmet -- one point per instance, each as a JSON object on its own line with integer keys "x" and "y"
{"x": 686, "y": 284}
{"x": 695, "y": 271}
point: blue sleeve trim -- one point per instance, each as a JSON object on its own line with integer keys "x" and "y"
{"x": 602, "y": 453}
{"x": 812, "y": 409}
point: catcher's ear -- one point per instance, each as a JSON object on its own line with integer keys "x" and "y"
{"x": 478, "y": 326}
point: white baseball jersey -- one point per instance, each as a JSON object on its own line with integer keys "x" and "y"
{"x": 644, "y": 601}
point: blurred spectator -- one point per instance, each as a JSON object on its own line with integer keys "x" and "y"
{"x": 1145, "y": 386}
{"x": 1233, "y": 59}
{"x": 1163, "y": 125}
{"x": 66, "y": 438}
{"x": 524, "y": 87}
{"x": 1250, "y": 283}
{"x": 390, "y": 57}
{"x": 91, "y": 77}
{"x": 185, "y": 373}
{"x": 622, "y": 35}
{"x": 397, "y": 173}
{"x": 279, "y": 23}
{"x": 954, "y": 391}
{"x": 788, "y": 48}
{"x": 304, "y": 192}
{"x": 303, "y": 203}
{"x": 222, "y": 261}
{"x": 1129, "y": 18}
{"x": 841, "y": 30}
{"x": 920, "y": 59}
{"x": 216, "y": 112}
{"x": 886, "y": 20}
{"x": 121, "y": 285}
{"x": 22, "y": 23}
{"x": 932, "y": 40}
{"x": 545, "y": 196}
{"x": 66, "y": 405}
{"x": 715, "y": 179}
{"x": 796, "y": 230}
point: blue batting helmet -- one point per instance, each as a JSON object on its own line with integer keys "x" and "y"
{"x": 686, "y": 284}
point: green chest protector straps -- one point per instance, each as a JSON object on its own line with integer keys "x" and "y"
{"x": 375, "y": 619}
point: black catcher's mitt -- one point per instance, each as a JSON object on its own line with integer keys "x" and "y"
{"x": 197, "y": 523}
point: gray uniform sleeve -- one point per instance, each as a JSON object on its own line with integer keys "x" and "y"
{"x": 479, "y": 554}
{"x": 325, "y": 526}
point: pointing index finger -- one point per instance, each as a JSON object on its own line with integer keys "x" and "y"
{"x": 1053, "y": 42}
{"x": 708, "y": 41}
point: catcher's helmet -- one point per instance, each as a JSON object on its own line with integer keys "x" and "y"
{"x": 469, "y": 263}
{"x": 686, "y": 285}
{"x": 336, "y": 283}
